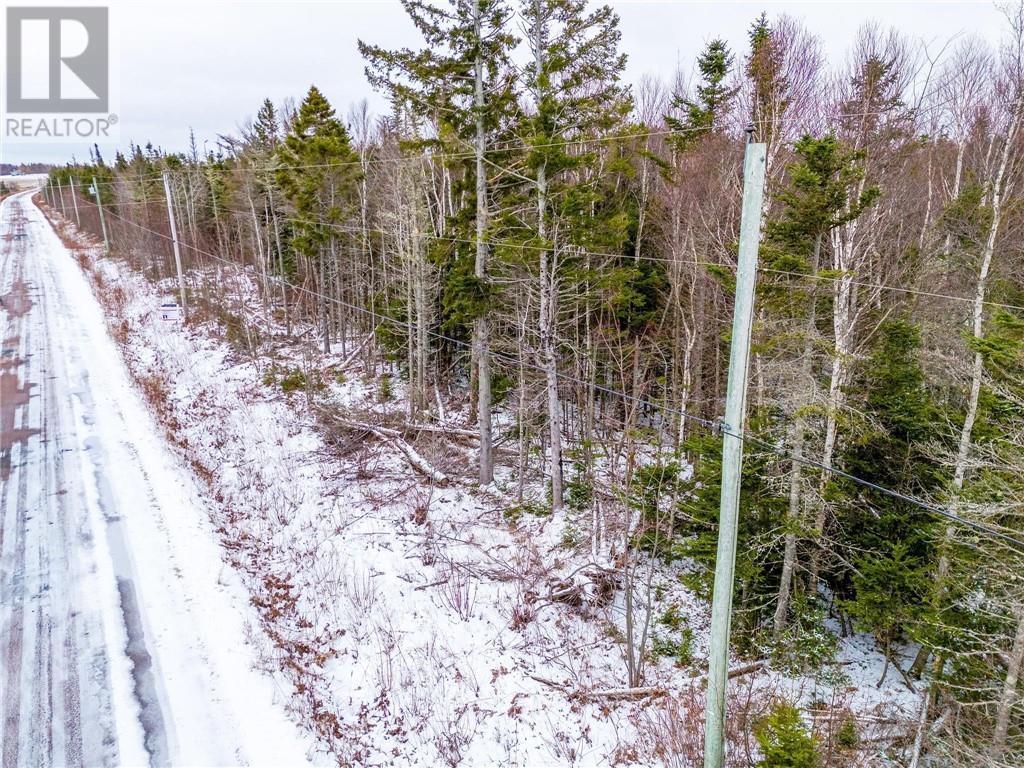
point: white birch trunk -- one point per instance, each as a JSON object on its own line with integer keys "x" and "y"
{"x": 548, "y": 295}
{"x": 1009, "y": 695}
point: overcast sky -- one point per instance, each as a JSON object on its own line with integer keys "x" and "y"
{"x": 209, "y": 65}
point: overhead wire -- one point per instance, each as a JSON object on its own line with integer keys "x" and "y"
{"x": 849, "y": 278}
{"x": 716, "y": 426}
{"x": 445, "y": 156}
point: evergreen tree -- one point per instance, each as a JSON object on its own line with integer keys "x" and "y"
{"x": 462, "y": 82}
{"x": 815, "y": 201}
{"x": 769, "y": 98}
{"x": 317, "y": 170}
{"x": 702, "y": 115}
{"x": 262, "y": 198}
{"x": 573, "y": 81}
{"x": 812, "y": 204}
{"x": 785, "y": 741}
{"x": 266, "y": 129}
{"x": 761, "y": 507}
{"x": 887, "y": 542}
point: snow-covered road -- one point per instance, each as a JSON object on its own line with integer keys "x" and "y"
{"x": 122, "y": 634}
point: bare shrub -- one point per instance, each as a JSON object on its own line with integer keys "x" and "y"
{"x": 387, "y": 648}
{"x": 115, "y": 299}
{"x": 154, "y": 390}
{"x": 420, "y": 504}
{"x": 670, "y": 730}
{"x": 568, "y": 748}
{"x": 523, "y": 614}
{"x": 280, "y": 507}
{"x": 362, "y": 595}
{"x": 459, "y": 592}
{"x": 455, "y": 732}
{"x": 120, "y": 331}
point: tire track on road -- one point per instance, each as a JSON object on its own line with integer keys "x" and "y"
{"x": 12, "y": 440}
{"x": 44, "y": 581}
{"x": 65, "y": 687}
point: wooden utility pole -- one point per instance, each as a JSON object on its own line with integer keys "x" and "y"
{"x": 177, "y": 248}
{"x": 732, "y": 455}
{"x": 74, "y": 203}
{"x": 103, "y": 221}
{"x": 60, "y": 191}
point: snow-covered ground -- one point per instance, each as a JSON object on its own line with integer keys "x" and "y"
{"x": 122, "y": 633}
{"x": 409, "y": 623}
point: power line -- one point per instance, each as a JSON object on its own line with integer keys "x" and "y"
{"x": 715, "y": 426}
{"x": 898, "y": 289}
{"x": 851, "y": 279}
{"x": 444, "y": 156}
{"x": 385, "y": 318}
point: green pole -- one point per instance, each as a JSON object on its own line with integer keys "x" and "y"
{"x": 732, "y": 455}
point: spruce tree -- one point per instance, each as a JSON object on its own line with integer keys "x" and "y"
{"x": 263, "y": 198}
{"x": 697, "y": 117}
{"x": 789, "y": 339}
{"x": 784, "y": 740}
{"x": 769, "y": 88}
{"x": 317, "y": 170}
{"x": 573, "y": 82}
{"x": 462, "y": 83}
{"x": 888, "y": 543}
{"x": 815, "y": 201}
{"x": 265, "y": 128}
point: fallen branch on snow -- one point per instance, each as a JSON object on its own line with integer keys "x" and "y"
{"x": 437, "y": 583}
{"x": 393, "y": 436}
{"x": 416, "y": 461}
{"x": 649, "y": 692}
{"x": 640, "y": 692}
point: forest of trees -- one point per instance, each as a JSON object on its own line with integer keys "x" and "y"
{"x": 525, "y": 228}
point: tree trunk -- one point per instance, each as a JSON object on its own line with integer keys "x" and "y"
{"x": 798, "y": 433}
{"x": 977, "y": 332}
{"x": 324, "y": 321}
{"x": 843, "y": 313}
{"x": 548, "y": 291}
{"x": 1006, "y": 701}
{"x": 977, "y": 373}
{"x": 481, "y": 329}
{"x": 280, "y": 262}
{"x": 420, "y": 396}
